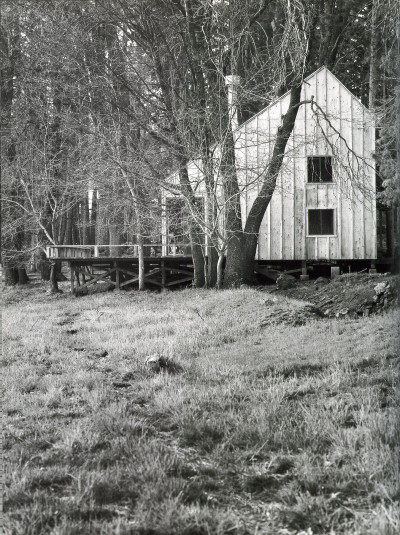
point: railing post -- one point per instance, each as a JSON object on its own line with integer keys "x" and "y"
{"x": 96, "y": 251}
{"x": 72, "y": 278}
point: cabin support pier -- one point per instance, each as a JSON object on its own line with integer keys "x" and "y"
{"x": 372, "y": 269}
{"x": 304, "y": 275}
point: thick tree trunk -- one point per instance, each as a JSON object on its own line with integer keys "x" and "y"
{"x": 53, "y": 279}
{"x": 10, "y": 276}
{"x": 211, "y": 270}
{"x": 45, "y": 268}
{"x": 22, "y": 276}
{"x": 233, "y": 276}
{"x": 195, "y": 232}
{"x": 263, "y": 199}
{"x": 220, "y": 271}
{"x": 233, "y": 220}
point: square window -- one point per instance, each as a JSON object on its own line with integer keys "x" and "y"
{"x": 321, "y": 222}
{"x": 319, "y": 169}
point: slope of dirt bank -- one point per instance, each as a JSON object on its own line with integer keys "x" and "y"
{"x": 352, "y": 295}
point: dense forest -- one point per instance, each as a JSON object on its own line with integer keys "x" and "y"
{"x": 101, "y": 100}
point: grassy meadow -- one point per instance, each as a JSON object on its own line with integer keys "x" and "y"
{"x": 263, "y": 428}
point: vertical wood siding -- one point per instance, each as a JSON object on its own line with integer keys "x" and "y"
{"x": 283, "y": 232}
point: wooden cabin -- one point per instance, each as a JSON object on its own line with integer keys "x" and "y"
{"x": 324, "y": 205}
{"x": 323, "y": 209}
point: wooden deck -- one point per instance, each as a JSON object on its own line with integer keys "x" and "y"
{"x": 122, "y": 272}
{"x": 163, "y": 271}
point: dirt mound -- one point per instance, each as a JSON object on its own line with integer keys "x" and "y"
{"x": 293, "y": 313}
{"x": 352, "y": 295}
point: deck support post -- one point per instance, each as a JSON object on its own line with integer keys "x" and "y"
{"x": 372, "y": 269}
{"x": 163, "y": 274}
{"x": 72, "y": 279}
{"x": 117, "y": 276}
{"x": 304, "y": 275}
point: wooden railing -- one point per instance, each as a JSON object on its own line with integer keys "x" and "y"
{"x": 129, "y": 250}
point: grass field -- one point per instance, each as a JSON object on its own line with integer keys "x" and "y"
{"x": 263, "y": 429}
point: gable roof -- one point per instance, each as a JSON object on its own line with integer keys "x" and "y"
{"x": 309, "y": 77}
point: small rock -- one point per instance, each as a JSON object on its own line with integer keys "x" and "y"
{"x": 284, "y": 281}
{"x": 158, "y": 363}
{"x": 71, "y": 331}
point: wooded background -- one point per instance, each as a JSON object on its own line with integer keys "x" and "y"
{"x": 102, "y": 99}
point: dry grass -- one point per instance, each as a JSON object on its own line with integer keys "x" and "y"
{"x": 265, "y": 428}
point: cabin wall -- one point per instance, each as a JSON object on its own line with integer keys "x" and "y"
{"x": 348, "y": 136}
{"x": 284, "y": 230}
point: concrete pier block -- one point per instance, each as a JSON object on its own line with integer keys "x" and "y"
{"x": 335, "y": 272}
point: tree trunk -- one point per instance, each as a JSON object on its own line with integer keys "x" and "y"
{"x": 211, "y": 271}
{"x": 68, "y": 230}
{"x": 194, "y": 230}
{"x": 263, "y": 199}
{"x": 199, "y": 280}
{"x": 45, "y": 268}
{"x": 114, "y": 240}
{"x": 53, "y": 279}
{"x": 76, "y": 231}
{"x": 85, "y": 221}
{"x": 233, "y": 276}
{"x": 220, "y": 271}
{"x": 373, "y": 60}
{"x": 22, "y": 276}
{"x": 142, "y": 285}
{"x": 233, "y": 220}
{"x": 93, "y": 218}
{"x": 62, "y": 229}
{"x": 10, "y": 276}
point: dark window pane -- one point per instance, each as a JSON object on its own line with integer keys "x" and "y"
{"x": 320, "y": 222}
{"x": 320, "y": 169}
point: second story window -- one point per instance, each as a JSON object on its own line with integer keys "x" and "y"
{"x": 319, "y": 169}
